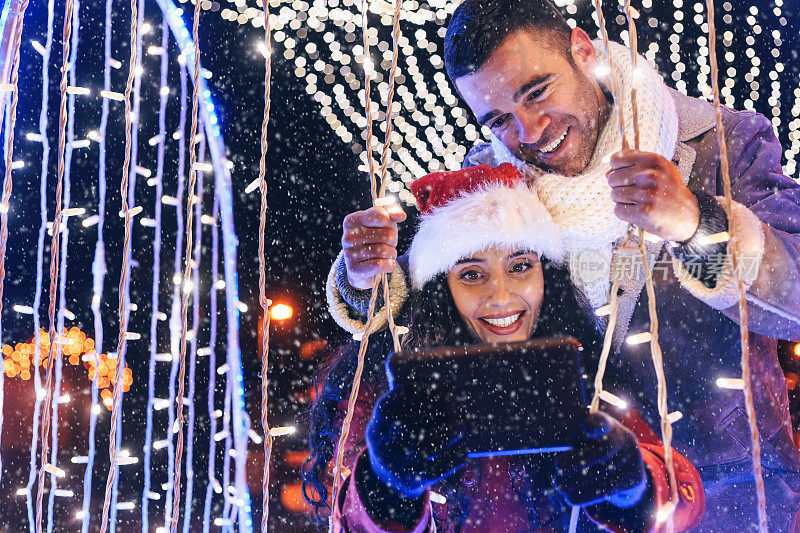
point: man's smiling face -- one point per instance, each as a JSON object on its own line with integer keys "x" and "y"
{"x": 541, "y": 102}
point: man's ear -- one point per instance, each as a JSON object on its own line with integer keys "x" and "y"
{"x": 583, "y": 52}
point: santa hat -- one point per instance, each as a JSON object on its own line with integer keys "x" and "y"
{"x": 470, "y": 210}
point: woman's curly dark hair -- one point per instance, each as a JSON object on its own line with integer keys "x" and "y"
{"x": 433, "y": 321}
{"x": 332, "y": 385}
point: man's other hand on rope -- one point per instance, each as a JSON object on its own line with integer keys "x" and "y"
{"x": 649, "y": 192}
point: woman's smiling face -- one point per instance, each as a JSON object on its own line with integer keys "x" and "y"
{"x": 498, "y": 294}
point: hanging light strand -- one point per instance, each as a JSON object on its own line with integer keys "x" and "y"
{"x": 387, "y": 142}
{"x": 43, "y": 124}
{"x": 175, "y": 321}
{"x": 54, "y": 263}
{"x": 187, "y": 269}
{"x": 594, "y": 406}
{"x": 612, "y": 318}
{"x": 163, "y": 97}
{"x": 212, "y": 367}
{"x": 755, "y": 445}
{"x": 189, "y": 401}
{"x": 123, "y": 281}
{"x": 362, "y": 349}
{"x": 262, "y": 267}
{"x": 655, "y": 346}
{"x": 12, "y": 119}
{"x": 338, "y": 469}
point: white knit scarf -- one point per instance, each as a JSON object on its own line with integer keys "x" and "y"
{"x": 581, "y": 205}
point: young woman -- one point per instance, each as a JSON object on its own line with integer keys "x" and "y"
{"x": 481, "y": 265}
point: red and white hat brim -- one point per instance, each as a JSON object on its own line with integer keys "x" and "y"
{"x": 496, "y": 215}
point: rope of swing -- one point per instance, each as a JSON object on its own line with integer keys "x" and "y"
{"x": 339, "y": 472}
{"x": 755, "y": 445}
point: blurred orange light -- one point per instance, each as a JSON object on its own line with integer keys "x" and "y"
{"x": 21, "y": 356}
{"x": 310, "y": 348}
{"x": 280, "y": 312}
{"x": 295, "y": 457}
{"x": 797, "y": 349}
{"x": 292, "y": 498}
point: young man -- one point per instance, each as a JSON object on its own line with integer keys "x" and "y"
{"x": 536, "y": 84}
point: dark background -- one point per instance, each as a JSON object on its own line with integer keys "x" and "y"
{"x": 314, "y": 182}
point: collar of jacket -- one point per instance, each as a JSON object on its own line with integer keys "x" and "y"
{"x": 695, "y": 117}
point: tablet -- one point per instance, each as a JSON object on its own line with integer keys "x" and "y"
{"x": 514, "y": 398}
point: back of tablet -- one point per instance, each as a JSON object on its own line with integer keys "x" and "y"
{"x": 514, "y": 398}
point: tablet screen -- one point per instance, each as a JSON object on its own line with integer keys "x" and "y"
{"x": 514, "y": 398}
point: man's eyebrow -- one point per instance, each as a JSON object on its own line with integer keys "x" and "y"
{"x": 469, "y": 260}
{"x": 533, "y": 82}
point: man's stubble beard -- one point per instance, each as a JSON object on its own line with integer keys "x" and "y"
{"x": 589, "y": 125}
{"x": 593, "y": 121}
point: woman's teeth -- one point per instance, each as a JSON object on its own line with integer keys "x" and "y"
{"x": 553, "y": 145}
{"x": 502, "y": 322}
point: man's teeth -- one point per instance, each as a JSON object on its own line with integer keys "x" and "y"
{"x": 502, "y": 322}
{"x": 553, "y": 145}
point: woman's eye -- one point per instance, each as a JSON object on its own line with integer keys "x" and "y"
{"x": 470, "y": 275}
{"x": 521, "y": 267}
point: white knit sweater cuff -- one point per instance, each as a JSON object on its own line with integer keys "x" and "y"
{"x": 340, "y": 311}
{"x": 748, "y": 245}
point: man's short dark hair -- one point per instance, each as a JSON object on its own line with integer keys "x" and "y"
{"x": 479, "y": 26}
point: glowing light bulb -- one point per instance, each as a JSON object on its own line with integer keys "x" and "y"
{"x": 281, "y": 431}
{"x": 281, "y": 312}
{"x": 613, "y": 399}
{"x": 674, "y": 417}
{"x": 639, "y": 338}
{"x": 255, "y": 437}
{"x": 730, "y": 383}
